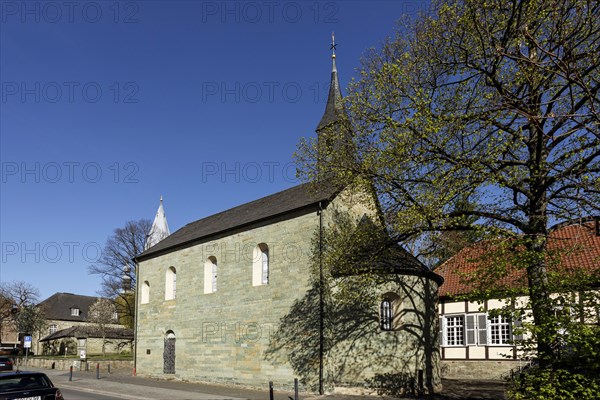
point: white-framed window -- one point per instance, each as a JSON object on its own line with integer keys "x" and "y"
{"x": 565, "y": 314}
{"x": 454, "y": 331}
{"x": 145, "y": 292}
{"x": 475, "y": 329}
{"x": 170, "y": 283}
{"x": 210, "y": 275}
{"x": 75, "y": 312}
{"x": 260, "y": 265}
{"x": 500, "y": 330}
{"x": 53, "y": 328}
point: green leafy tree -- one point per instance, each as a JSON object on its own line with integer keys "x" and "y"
{"x": 493, "y": 101}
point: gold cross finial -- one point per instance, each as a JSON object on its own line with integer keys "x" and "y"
{"x": 333, "y": 45}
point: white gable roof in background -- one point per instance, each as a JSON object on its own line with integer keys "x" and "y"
{"x": 160, "y": 227}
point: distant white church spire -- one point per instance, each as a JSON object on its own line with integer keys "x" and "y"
{"x": 160, "y": 228}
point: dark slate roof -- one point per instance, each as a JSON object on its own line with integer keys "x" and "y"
{"x": 90, "y": 331}
{"x": 276, "y": 205}
{"x": 334, "y": 111}
{"x": 58, "y": 306}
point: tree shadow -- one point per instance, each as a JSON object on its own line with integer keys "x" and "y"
{"x": 356, "y": 351}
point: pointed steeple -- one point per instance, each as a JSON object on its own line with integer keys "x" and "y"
{"x": 333, "y": 110}
{"x": 334, "y": 134}
{"x": 160, "y": 228}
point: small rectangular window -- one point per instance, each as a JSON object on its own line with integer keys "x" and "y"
{"x": 75, "y": 312}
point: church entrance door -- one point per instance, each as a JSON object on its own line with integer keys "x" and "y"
{"x": 169, "y": 354}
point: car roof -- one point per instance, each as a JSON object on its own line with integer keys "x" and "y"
{"x": 5, "y": 375}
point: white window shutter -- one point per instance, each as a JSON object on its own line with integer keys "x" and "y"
{"x": 518, "y": 324}
{"x": 471, "y": 340}
{"x": 482, "y": 322}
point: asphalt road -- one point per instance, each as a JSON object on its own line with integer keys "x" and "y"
{"x": 70, "y": 394}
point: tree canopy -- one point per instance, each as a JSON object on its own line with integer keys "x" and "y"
{"x": 491, "y": 103}
{"x": 18, "y": 303}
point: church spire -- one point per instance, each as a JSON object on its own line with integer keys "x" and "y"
{"x": 160, "y": 228}
{"x": 333, "y": 109}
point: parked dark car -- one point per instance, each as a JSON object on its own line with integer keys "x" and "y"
{"x": 6, "y": 364}
{"x": 28, "y": 385}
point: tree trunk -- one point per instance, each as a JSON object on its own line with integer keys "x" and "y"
{"x": 539, "y": 293}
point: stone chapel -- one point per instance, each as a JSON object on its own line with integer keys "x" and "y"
{"x": 233, "y": 298}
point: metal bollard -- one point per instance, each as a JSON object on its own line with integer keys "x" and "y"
{"x": 70, "y": 373}
{"x": 109, "y": 368}
{"x": 295, "y": 388}
{"x": 420, "y": 382}
{"x": 98, "y": 371}
{"x": 271, "y": 390}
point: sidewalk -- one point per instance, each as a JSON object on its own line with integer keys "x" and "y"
{"x": 123, "y": 385}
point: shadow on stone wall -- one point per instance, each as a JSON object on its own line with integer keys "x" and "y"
{"x": 356, "y": 351}
{"x": 358, "y": 266}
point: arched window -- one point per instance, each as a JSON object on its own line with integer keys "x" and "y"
{"x": 260, "y": 265}
{"x": 210, "y": 275}
{"x": 389, "y": 312}
{"x": 387, "y": 318}
{"x": 170, "y": 283}
{"x": 145, "y": 292}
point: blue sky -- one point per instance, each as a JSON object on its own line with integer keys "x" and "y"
{"x": 106, "y": 106}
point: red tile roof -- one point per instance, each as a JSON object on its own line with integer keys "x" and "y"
{"x": 578, "y": 244}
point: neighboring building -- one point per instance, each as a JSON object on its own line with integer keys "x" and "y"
{"x": 220, "y": 296}
{"x": 68, "y": 328}
{"x": 9, "y": 337}
{"x": 475, "y": 345}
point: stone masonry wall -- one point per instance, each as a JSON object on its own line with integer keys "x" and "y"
{"x": 224, "y": 336}
{"x": 234, "y": 335}
{"x": 479, "y": 369}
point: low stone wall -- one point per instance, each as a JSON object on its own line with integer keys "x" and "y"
{"x": 66, "y": 363}
{"x": 479, "y": 369}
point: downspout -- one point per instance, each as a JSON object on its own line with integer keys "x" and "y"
{"x": 135, "y": 318}
{"x": 321, "y": 301}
